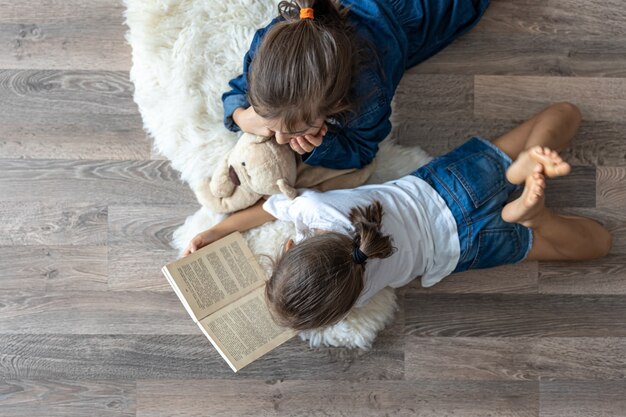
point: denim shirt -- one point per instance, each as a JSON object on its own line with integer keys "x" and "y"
{"x": 402, "y": 34}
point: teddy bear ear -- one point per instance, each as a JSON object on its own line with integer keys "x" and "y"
{"x": 261, "y": 139}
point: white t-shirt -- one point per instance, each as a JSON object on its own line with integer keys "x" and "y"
{"x": 416, "y": 217}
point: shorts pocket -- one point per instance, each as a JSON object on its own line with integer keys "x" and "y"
{"x": 496, "y": 247}
{"x": 481, "y": 175}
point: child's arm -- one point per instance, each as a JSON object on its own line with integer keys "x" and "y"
{"x": 354, "y": 146}
{"x": 240, "y": 221}
{"x": 250, "y": 122}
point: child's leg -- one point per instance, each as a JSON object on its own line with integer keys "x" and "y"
{"x": 568, "y": 238}
{"x": 532, "y": 142}
{"x": 554, "y": 127}
{"x": 555, "y": 237}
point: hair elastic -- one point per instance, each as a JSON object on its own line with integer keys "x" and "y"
{"x": 358, "y": 257}
{"x": 306, "y": 13}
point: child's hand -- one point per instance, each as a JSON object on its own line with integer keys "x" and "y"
{"x": 250, "y": 122}
{"x": 201, "y": 240}
{"x": 306, "y": 143}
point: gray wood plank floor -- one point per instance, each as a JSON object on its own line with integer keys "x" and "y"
{"x": 89, "y": 327}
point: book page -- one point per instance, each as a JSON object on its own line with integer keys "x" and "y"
{"x": 244, "y": 331}
{"x": 215, "y": 275}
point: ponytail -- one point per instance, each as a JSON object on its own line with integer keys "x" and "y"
{"x": 324, "y": 11}
{"x": 317, "y": 282}
{"x": 368, "y": 239}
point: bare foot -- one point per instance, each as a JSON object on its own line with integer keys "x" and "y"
{"x": 537, "y": 159}
{"x": 530, "y": 204}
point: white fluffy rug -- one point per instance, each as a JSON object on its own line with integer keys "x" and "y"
{"x": 184, "y": 54}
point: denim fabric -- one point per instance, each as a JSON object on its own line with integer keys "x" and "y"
{"x": 471, "y": 180}
{"x": 402, "y": 33}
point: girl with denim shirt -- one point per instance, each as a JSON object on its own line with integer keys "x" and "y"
{"x": 451, "y": 215}
{"x": 321, "y": 76}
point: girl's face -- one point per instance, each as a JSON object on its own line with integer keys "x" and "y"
{"x": 283, "y": 136}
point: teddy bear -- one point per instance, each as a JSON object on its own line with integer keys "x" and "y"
{"x": 258, "y": 166}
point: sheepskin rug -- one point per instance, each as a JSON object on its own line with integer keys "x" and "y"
{"x": 184, "y": 54}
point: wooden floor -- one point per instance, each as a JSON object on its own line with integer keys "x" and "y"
{"x": 89, "y": 327}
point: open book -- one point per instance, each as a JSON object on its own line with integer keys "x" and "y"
{"x": 222, "y": 286}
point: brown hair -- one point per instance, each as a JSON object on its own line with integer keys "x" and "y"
{"x": 303, "y": 69}
{"x": 316, "y": 282}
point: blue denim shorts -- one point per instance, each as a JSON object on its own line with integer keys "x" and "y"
{"x": 471, "y": 180}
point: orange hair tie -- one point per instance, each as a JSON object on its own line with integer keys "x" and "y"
{"x": 306, "y": 13}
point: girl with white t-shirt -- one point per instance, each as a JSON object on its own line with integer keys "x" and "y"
{"x": 451, "y": 215}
